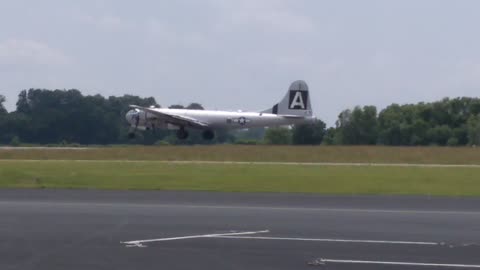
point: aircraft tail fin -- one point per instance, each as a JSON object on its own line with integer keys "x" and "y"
{"x": 295, "y": 103}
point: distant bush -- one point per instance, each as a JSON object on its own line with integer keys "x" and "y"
{"x": 278, "y": 136}
{"x": 162, "y": 142}
{"x": 15, "y": 141}
{"x": 247, "y": 142}
{"x": 452, "y": 142}
{"x": 74, "y": 145}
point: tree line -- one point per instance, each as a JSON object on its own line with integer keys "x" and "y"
{"x": 68, "y": 117}
{"x": 449, "y": 122}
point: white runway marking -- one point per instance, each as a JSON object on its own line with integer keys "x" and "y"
{"x": 245, "y": 235}
{"x": 323, "y": 261}
{"x": 139, "y": 243}
{"x": 330, "y": 240}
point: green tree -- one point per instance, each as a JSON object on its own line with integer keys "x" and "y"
{"x": 278, "y": 136}
{"x": 439, "y": 135}
{"x": 474, "y": 130}
{"x": 53, "y": 116}
{"x": 311, "y": 133}
{"x": 13, "y": 125}
{"x": 195, "y": 106}
{"x": 441, "y": 123}
{"x": 452, "y": 142}
{"x": 330, "y": 137}
{"x": 2, "y": 107}
{"x": 368, "y": 123}
{"x": 394, "y": 127}
{"x": 176, "y": 106}
{"x": 15, "y": 141}
{"x": 358, "y": 126}
{"x": 461, "y": 134}
{"x": 66, "y": 115}
{"x": 3, "y": 121}
{"x": 22, "y": 103}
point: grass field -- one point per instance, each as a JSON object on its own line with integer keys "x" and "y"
{"x": 362, "y": 154}
{"x": 154, "y": 175}
{"x": 141, "y": 168}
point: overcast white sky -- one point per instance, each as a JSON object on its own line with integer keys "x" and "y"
{"x": 244, "y": 54}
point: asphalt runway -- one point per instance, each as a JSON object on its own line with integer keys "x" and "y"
{"x": 74, "y": 229}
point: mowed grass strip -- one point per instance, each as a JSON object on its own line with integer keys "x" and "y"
{"x": 259, "y": 153}
{"x": 151, "y": 175}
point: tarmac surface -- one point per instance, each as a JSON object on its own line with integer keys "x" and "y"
{"x": 88, "y": 229}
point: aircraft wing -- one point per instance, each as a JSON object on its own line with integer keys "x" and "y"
{"x": 175, "y": 119}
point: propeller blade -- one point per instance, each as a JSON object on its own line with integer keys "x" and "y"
{"x": 134, "y": 127}
{"x": 137, "y": 120}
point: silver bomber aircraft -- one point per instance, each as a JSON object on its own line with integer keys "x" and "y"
{"x": 294, "y": 108}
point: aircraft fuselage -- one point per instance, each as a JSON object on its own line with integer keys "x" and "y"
{"x": 217, "y": 119}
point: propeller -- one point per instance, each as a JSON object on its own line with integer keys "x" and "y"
{"x": 136, "y": 117}
{"x": 137, "y": 120}
{"x": 133, "y": 117}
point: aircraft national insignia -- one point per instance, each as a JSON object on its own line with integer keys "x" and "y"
{"x": 298, "y": 100}
{"x": 241, "y": 121}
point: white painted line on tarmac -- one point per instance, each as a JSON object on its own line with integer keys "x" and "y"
{"x": 323, "y": 261}
{"x": 330, "y": 240}
{"x": 245, "y": 235}
{"x": 139, "y": 243}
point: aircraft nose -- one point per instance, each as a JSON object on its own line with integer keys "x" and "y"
{"x": 130, "y": 116}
